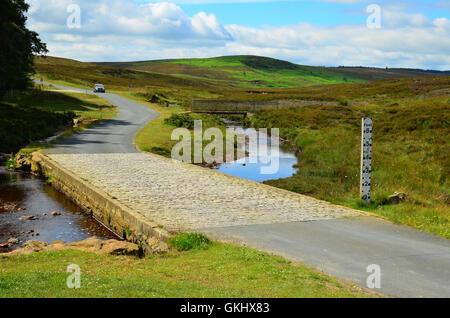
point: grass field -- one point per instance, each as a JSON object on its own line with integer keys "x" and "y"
{"x": 221, "y": 271}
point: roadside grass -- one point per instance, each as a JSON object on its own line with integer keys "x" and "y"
{"x": 20, "y": 125}
{"x": 222, "y": 270}
{"x": 32, "y": 115}
{"x": 189, "y": 241}
{"x": 83, "y": 105}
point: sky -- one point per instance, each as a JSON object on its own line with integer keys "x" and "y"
{"x": 393, "y": 33}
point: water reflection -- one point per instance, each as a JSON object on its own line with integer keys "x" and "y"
{"x": 251, "y": 167}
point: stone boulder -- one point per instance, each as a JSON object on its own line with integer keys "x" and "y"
{"x": 397, "y": 198}
{"x": 23, "y": 162}
{"x": 157, "y": 246}
{"x": 92, "y": 244}
{"x": 111, "y": 247}
{"x": 114, "y": 247}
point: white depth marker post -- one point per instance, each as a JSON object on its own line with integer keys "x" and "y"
{"x": 366, "y": 159}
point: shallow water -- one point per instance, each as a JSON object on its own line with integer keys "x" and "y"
{"x": 252, "y": 171}
{"x": 24, "y": 195}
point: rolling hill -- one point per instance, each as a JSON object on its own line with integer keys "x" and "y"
{"x": 243, "y": 71}
{"x": 265, "y": 72}
{"x": 229, "y": 78}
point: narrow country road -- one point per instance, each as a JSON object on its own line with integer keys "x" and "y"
{"x": 334, "y": 239}
{"x": 112, "y": 136}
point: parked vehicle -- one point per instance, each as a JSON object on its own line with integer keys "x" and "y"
{"x": 99, "y": 88}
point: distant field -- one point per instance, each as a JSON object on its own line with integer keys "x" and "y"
{"x": 225, "y": 78}
{"x": 263, "y": 72}
{"x": 373, "y": 73}
{"x": 247, "y": 71}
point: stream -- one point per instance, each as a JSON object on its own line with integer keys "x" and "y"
{"x": 24, "y": 195}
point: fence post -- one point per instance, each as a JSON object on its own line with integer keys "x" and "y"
{"x": 366, "y": 159}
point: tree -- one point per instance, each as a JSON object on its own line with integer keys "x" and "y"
{"x": 18, "y": 46}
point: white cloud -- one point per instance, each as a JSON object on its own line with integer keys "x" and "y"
{"x": 123, "y": 30}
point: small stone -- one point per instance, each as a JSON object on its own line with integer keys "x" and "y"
{"x": 13, "y": 240}
{"x": 55, "y": 213}
{"x": 34, "y": 246}
{"x": 27, "y": 217}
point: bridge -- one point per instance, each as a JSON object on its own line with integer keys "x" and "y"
{"x": 161, "y": 193}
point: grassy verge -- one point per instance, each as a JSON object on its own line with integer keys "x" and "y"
{"x": 37, "y": 114}
{"x": 83, "y": 105}
{"x": 410, "y": 152}
{"x": 155, "y": 137}
{"x": 222, "y": 270}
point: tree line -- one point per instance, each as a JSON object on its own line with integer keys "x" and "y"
{"x": 18, "y": 46}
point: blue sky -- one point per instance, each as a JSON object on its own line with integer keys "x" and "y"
{"x": 316, "y": 32}
{"x": 278, "y": 13}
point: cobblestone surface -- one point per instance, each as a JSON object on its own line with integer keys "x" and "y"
{"x": 186, "y": 197}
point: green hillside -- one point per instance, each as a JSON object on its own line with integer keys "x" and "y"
{"x": 245, "y": 71}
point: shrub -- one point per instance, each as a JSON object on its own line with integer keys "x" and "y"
{"x": 190, "y": 241}
{"x": 10, "y": 164}
{"x": 180, "y": 120}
